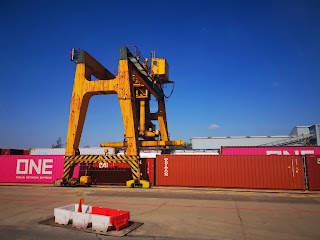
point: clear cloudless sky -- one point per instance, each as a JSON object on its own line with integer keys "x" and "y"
{"x": 241, "y": 67}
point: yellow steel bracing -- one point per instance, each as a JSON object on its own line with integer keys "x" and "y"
{"x": 134, "y": 86}
{"x": 135, "y": 169}
{"x": 67, "y": 173}
{"x": 101, "y": 158}
{"x": 145, "y": 143}
{"x": 161, "y": 116}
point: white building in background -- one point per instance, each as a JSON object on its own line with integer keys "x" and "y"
{"x": 299, "y": 136}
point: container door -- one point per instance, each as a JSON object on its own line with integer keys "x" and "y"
{"x": 150, "y": 170}
{"x": 297, "y": 172}
{"x": 313, "y": 167}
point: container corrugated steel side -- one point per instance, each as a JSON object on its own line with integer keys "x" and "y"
{"x": 147, "y": 169}
{"x": 16, "y": 152}
{"x": 150, "y": 162}
{"x": 62, "y": 151}
{"x": 218, "y": 142}
{"x": 313, "y": 166}
{"x": 256, "y": 172}
{"x": 110, "y": 176}
{"x": 196, "y": 152}
{"x": 265, "y": 150}
{"x": 32, "y": 169}
{"x": 5, "y": 151}
{"x": 26, "y": 152}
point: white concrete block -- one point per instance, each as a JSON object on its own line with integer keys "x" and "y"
{"x": 100, "y": 223}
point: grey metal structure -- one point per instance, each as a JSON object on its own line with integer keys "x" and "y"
{"x": 315, "y": 130}
{"x": 217, "y": 142}
{"x": 299, "y": 136}
{"x": 299, "y": 130}
{"x": 293, "y": 140}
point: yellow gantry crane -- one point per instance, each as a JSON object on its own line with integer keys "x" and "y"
{"x": 136, "y": 82}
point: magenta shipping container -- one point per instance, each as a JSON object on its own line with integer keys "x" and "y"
{"x": 32, "y": 169}
{"x": 263, "y": 150}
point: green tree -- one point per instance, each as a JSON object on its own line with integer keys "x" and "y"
{"x": 189, "y": 145}
{"x": 58, "y": 143}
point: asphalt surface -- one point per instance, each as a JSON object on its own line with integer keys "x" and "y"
{"x": 299, "y": 197}
{"x": 166, "y": 213}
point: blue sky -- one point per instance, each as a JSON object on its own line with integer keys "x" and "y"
{"x": 240, "y": 67}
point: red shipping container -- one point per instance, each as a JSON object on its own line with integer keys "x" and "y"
{"x": 264, "y": 150}
{"x": 26, "y": 152}
{"x": 256, "y": 172}
{"x": 16, "y": 152}
{"x": 32, "y": 169}
{"x": 313, "y": 166}
{"x": 150, "y": 170}
{"x": 112, "y": 173}
{"x": 147, "y": 169}
{"x": 5, "y": 151}
{"x": 109, "y": 176}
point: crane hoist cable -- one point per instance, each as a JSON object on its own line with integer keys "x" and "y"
{"x": 171, "y": 91}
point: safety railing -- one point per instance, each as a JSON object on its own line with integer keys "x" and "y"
{"x": 139, "y": 57}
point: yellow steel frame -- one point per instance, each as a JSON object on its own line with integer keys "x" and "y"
{"x": 134, "y": 93}
{"x": 84, "y": 89}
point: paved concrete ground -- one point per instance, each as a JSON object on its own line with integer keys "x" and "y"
{"x": 167, "y": 213}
